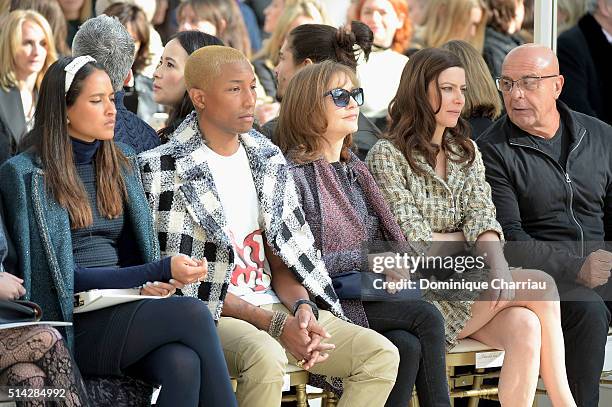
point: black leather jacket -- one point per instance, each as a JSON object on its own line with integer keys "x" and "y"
{"x": 537, "y": 200}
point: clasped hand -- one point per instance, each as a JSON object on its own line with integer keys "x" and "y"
{"x": 302, "y": 336}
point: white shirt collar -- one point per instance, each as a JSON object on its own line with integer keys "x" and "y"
{"x": 608, "y": 35}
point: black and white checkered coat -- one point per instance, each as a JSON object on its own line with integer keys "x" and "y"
{"x": 189, "y": 218}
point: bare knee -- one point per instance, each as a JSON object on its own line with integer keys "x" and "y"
{"x": 522, "y": 331}
{"x": 548, "y": 292}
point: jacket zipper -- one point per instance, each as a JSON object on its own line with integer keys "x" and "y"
{"x": 568, "y": 181}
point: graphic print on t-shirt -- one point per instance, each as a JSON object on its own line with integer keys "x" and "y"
{"x": 251, "y": 278}
{"x": 249, "y": 263}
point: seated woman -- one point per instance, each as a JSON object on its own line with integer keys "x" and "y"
{"x": 392, "y": 28}
{"x": 220, "y": 18}
{"x": 314, "y": 43}
{"x": 169, "y": 79}
{"x": 447, "y": 20}
{"x": 345, "y": 210}
{"x": 482, "y": 103}
{"x": 34, "y": 356}
{"x": 27, "y": 49}
{"x": 301, "y": 12}
{"x": 432, "y": 176}
{"x": 139, "y": 97}
{"x": 76, "y": 202}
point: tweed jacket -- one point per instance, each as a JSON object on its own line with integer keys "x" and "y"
{"x": 426, "y": 204}
{"x": 40, "y": 231}
{"x": 189, "y": 218}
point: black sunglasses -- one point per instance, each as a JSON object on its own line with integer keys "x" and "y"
{"x": 342, "y": 97}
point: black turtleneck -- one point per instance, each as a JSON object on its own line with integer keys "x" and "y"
{"x": 96, "y": 248}
{"x": 84, "y": 152}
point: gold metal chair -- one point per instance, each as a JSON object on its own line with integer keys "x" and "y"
{"x": 469, "y": 382}
{"x": 298, "y": 378}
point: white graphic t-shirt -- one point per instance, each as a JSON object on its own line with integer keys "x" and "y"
{"x": 251, "y": 278}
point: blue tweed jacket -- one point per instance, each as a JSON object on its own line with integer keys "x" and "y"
{"x": 40, "y": 231}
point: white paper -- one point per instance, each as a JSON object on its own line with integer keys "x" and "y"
{"x": 286, "y": 382}
{"x": 93, "y": 300}
{"x": 20, "y": 324}
{"x": 489, "y": 359}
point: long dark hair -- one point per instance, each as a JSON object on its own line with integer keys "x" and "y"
{"x": 52, "y": 143}
{"x": 413, "y": 120}
{"x": 320, "y": 42}
{"x": 190, "y": 41}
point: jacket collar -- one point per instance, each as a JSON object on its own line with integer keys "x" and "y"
{"x": 517, "y": 136}
{"x": 197, "y": 183}
{"x": 11, "y": 113}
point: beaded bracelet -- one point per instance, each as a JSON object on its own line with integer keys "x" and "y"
{"x": 277, "y": 324}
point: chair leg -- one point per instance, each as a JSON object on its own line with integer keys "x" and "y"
{"x": 450, "y": 371}
{"x": 301, "y": 397}
{"x": 478, "y": 380}
{"x": 330, "y": 399}
{"x": 414, "y": 401}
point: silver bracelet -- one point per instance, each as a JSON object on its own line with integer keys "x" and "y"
{"x": 277, "y": 323}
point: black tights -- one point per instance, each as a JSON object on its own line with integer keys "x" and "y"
{"x": 173, "y": 342}
{"x": 417, "y": 329}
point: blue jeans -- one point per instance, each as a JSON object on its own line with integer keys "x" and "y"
{"x": 416, "y": 328}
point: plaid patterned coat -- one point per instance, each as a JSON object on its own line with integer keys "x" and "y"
{"x": 189, "y": 218}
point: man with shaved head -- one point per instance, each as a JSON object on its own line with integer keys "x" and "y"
{"x": 550, "y": 171}
{"x": 221, "y": 191}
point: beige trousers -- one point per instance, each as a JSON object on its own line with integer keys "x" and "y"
{"x": 365, "y": 360}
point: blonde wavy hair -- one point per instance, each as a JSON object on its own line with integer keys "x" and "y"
{"x": 294, "y": 9}
{"x": 10, "y": 41}
{"x": 446, "y": 20}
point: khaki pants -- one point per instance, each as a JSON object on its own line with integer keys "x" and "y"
{"x": 365, "y": 360}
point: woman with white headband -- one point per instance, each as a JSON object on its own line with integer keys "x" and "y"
{"x": 76, "y": 210}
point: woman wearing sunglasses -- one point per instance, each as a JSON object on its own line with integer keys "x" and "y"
{"x": 433, "y": 177}
{"x": 345, "y": 211}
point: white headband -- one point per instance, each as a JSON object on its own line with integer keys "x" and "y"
{"x": 74, "y": 67}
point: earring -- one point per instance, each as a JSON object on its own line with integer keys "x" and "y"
{"x": 67, "y": 120}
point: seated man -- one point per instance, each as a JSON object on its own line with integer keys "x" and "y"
{"x": 109, "y": 43}
{"x": 220, "y": 191}
{"x": 550, "y": 171}
{"x": 584, "y": 56}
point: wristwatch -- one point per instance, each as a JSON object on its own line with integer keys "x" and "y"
{"x": 315, "y": 309}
